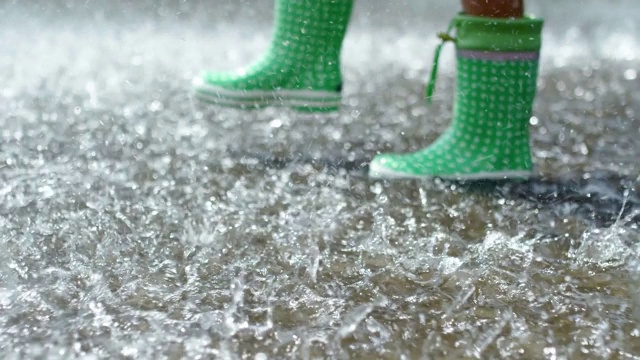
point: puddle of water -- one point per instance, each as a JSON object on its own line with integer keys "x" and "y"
{"x": 132, "y": 228}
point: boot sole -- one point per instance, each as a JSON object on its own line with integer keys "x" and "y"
{"x": 381, "y": 173}
{"x": 302, "y": 100}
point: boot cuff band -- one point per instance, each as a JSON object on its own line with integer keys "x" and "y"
{"x": 494, "y": 34}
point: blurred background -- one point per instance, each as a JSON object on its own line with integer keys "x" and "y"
{"x": 138, "y": 223}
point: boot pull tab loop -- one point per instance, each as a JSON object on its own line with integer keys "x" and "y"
{"x": 445, "y": 37}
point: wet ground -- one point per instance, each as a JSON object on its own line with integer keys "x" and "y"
{"x": 137, "y": 223}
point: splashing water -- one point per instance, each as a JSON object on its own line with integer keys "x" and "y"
{"x": 131, "y": 227}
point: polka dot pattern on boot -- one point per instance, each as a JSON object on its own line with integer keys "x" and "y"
{"x": 489, "y": 134}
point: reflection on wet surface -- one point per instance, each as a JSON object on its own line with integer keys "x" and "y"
{"x": 136, "y": 222}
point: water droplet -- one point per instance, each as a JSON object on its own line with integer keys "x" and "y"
{"x": 155, "y": 106}
{"x": 275, "y": 123}
{"x": 630, "y": 74}
{"x": 584, "y": 150}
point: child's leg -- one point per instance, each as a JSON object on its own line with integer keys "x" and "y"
{"x": 494, "y": 8}
{"x": 301, "y": 68}
{"x": 496, "y": 84}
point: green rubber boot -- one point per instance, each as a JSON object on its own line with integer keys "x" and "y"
{"x": 301, "y": 68}
{"x": 496, "y": 85}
